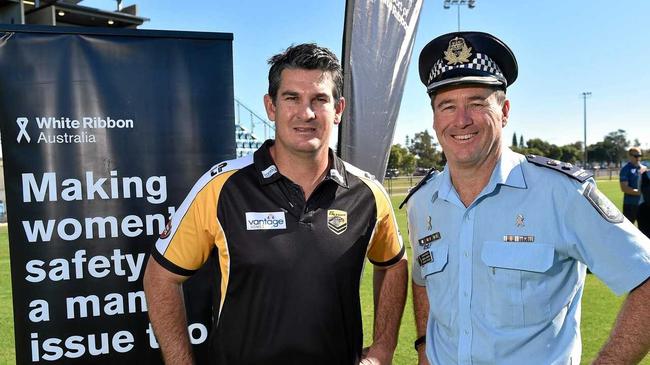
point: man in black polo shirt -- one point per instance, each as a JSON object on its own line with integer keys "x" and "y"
{"x": 291, "y": 227}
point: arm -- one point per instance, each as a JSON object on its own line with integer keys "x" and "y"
{"x": 628, "y": 190}
{"x": 421, "y": 312}
{"x": 629, "y": 341}
{"x": 390, "y": 285}
{"x": 167, "y": 312}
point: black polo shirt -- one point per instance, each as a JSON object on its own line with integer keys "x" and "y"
{"x": 290, "y": 268}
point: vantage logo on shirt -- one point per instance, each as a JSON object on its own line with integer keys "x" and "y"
{"x": 265, "y": 220}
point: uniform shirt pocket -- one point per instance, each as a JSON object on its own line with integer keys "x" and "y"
{"x": 515, "y": 289}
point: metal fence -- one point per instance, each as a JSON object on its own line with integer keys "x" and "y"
{"x": 399, "y": 186}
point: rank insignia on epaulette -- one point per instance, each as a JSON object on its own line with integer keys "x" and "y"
{"x": 425, "y": 258}
{"x": 604, "y": 206}
{"x": 425, "y": 242}
{"x": 563, "y": 167}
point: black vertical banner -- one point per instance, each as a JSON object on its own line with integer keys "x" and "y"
{"x": 103, "y": 134}
{"x": 377, "y": 47}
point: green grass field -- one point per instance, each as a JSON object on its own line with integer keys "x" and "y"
{"x": 598, "y": 311}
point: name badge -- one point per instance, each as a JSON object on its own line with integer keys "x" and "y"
{"x": 425, "y": 258}
{"x": 265, "y": 220}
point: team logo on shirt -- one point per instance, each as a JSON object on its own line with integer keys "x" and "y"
{"x": 337, "y": 220}
{"x": 168, "y": 228}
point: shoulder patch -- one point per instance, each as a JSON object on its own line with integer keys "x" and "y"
{"x": 433, "y": 172}
{"x": 566, "y": 168}
{"x": 604, "y": 206}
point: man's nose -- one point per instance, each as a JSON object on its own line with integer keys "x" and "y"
{"x": 306, "y": 112}
{"x": 463, "y": 118}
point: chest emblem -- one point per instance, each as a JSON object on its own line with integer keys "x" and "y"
{"x": 425, "y": 242}
{"x": 429, "y": 227}
{"x": 519, "y": 220}
{"x": 337, "y": 220}
{"x": 256, "y": 221}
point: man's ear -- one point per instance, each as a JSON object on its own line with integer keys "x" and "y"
{"x": 339, "y": 110}
{"x": 505, "y": 110}
{"x": 270, "y": 107}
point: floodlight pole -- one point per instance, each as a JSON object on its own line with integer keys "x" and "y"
{"x": 585, "y": 95}
{"x": 470, "y": 4}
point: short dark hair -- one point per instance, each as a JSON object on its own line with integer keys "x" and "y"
{"x": 308, "y": 56}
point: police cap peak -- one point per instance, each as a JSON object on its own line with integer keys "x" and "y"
{"x": 467, "y": 58}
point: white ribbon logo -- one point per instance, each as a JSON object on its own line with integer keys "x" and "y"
{"x": 22, "y": 124}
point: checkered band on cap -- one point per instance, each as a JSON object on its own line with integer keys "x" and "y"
{"x": 481, "y": 62}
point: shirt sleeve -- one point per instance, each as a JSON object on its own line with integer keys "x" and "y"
{"x": 618, "y": 253}
{"x": 623, "y": 174}
{"x": 194, "y": 230}
{"x": 416, "y": 269}
{"x": 385, "y": 247}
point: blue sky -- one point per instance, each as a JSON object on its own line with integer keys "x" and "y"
{"x": 563, "y": 49}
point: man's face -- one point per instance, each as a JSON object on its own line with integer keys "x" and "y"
{"x": 468, "y": 121}
{"x": 304, "y": 111}
{"x": 635, "y": 157}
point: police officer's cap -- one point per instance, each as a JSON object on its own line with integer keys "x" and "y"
{"x": 467, "y": 58}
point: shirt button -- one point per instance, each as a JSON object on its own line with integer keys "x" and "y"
{"x": 467, "y": 332}
{"x": 466, "y": 254}
{"x": 465, "y": 294}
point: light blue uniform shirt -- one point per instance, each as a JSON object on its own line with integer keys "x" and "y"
{"x": 494, "y": 300}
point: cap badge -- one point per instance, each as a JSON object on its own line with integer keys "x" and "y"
{"x": 457, "y": 52}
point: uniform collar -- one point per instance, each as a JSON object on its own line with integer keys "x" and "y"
{"x": 508, "y": 171}
{"x": 268, "y": 172}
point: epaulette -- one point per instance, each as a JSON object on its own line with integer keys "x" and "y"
{"x": 566, "y": 168}
{"x": 424, "y": 180}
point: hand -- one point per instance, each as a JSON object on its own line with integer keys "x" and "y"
{"x": 374, "y": 355}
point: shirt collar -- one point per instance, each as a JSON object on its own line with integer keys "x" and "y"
{"x": 268, "y": 172}
{"x": 508, "y": 171}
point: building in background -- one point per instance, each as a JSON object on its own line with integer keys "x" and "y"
{"x": 67, "y": 13}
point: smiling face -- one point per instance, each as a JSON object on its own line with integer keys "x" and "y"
{"x": 468, "y": 122}
{"x": 304, "y": 112}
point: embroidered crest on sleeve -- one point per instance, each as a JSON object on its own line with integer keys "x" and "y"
{"x": 604, "y": 206}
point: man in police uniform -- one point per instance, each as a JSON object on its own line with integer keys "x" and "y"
{"x": 291, "y": 227}
{"x": 502, "y": 241}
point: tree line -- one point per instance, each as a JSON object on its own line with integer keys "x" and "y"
{"x": 423, "y": 152}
